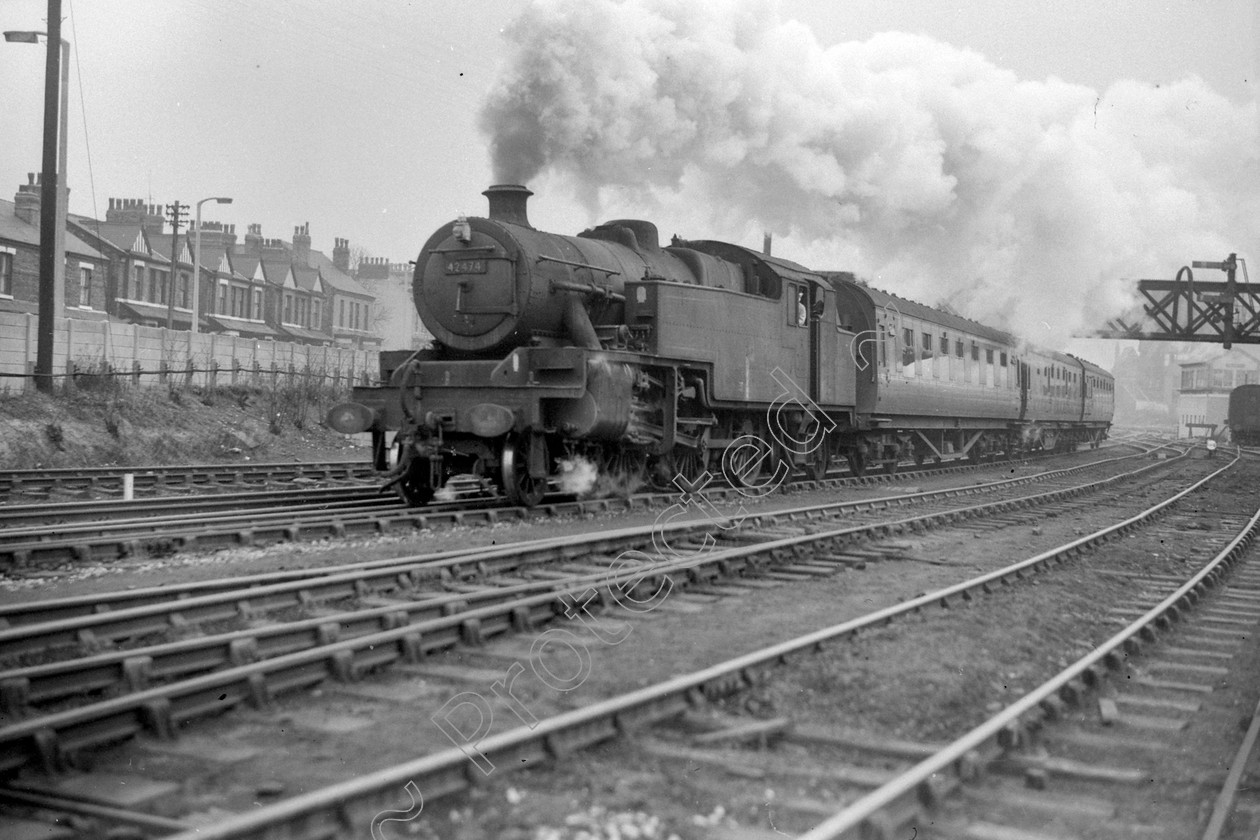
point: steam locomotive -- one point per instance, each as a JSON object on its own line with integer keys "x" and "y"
{"x": 652, "y": 363}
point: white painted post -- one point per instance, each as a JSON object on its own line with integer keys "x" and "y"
{"x": 28, "y": 365}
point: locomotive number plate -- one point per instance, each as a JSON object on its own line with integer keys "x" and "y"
{"x": 465, "y": 266}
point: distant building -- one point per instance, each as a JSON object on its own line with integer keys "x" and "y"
{"x": 349, "y": 316}
{"x": 1203, "y": 399}
{"x": 394, "y": 315}
{"x": 129, "y": 267}
{"x": 87, "y": 268}
{"x": 1146, "y": 385}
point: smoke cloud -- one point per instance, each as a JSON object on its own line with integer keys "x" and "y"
{"x": 923, "y": 167}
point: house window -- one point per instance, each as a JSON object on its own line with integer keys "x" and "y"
{"x": 341, "y": 322}
{"x": 85, "y": 286}
{"x": 164, "y": 286}
{"x": 152, "y": 296}
{"x": 958, "y": 349}
{"x": 222, "y": 307}
{"x": 975, "y": 353}
{"x": 288, "y": 309}
{"x": 6, "y": 273}
{"x": 988, "y": 355}
{"x": 317, "y": 322}
{"x": 138, "y": 294}
{"x": 257, "y": 310}
{"x": 183, "y": 291}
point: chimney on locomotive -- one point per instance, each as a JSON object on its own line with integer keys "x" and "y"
{"x": 507, "y": 203}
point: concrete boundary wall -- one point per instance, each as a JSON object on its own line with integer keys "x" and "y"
{"x": 155, "y": 355}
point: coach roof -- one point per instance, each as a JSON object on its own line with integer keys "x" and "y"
{"x": 913, "y": 309}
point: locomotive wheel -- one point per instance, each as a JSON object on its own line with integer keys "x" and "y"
{"x": 413, "y": 488}
{"x": 518, "y": 485}
{"x": 857, "y": 462}
{"x": 690, "y": 463}
{"x": 753, "y": 463}
{"x": 820, "y": 461}
{"x": 624, "y": 470}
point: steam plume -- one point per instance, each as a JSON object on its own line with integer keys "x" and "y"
{"x": 922, "y": 166}
{"x": 578, "y": 475}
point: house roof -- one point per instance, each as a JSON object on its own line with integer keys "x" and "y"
{"x": 276, "y": 270}
{"x": 212, "y": 257}
{"x": 122, "y": 237}
{"x": 161, "y": 244}
{"x": 243, "y": 264}
{"x": 16, "y": 230}
{"x": 335, "y": 278}
{"x": 1209, "y": 355}
{"x": 306, "y": 278}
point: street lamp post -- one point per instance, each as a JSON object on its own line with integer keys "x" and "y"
{"x": 52, "y": 215}
{"x": 196, "y": 287}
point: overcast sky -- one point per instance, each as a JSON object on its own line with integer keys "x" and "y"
{"x": 362, "y": 118}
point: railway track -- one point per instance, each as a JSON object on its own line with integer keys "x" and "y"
{"x": 73, "y": 531}
{"x": 128, "y": 614}
{"x": 35, "y": 521}
{"x": 109, "y": 481}
{"x": 262, "y": 667}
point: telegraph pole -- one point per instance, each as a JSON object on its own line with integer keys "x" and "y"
{"x": 50, "y": 199}
{"x": 176, "y": 212}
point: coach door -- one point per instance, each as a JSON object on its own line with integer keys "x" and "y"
{"x": 1023, "y": 390}
{"x": 816, "y": 307}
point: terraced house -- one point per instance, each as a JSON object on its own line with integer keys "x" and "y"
{"x": 258, "y": 287}
{"x": 86, "y": 267}
{"x": 128, "y": 266}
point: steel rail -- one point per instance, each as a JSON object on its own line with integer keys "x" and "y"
{"x": 350, "y": 805}
{"x": 27, "y": 612}
{"x": 142, "y": 517}
{"x": 107, "y": 542}
{"x": 859, "y": 819}
{"x": 50, "y": 738}
{"x": 1223, "y": 807}
{"x": 148, "y": 476}
{"x": 407, "y": 573}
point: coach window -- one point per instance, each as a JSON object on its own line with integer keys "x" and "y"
{"x": 907, "y": 351}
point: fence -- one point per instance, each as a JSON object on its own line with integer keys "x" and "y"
{"x": 154, "y": 355}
